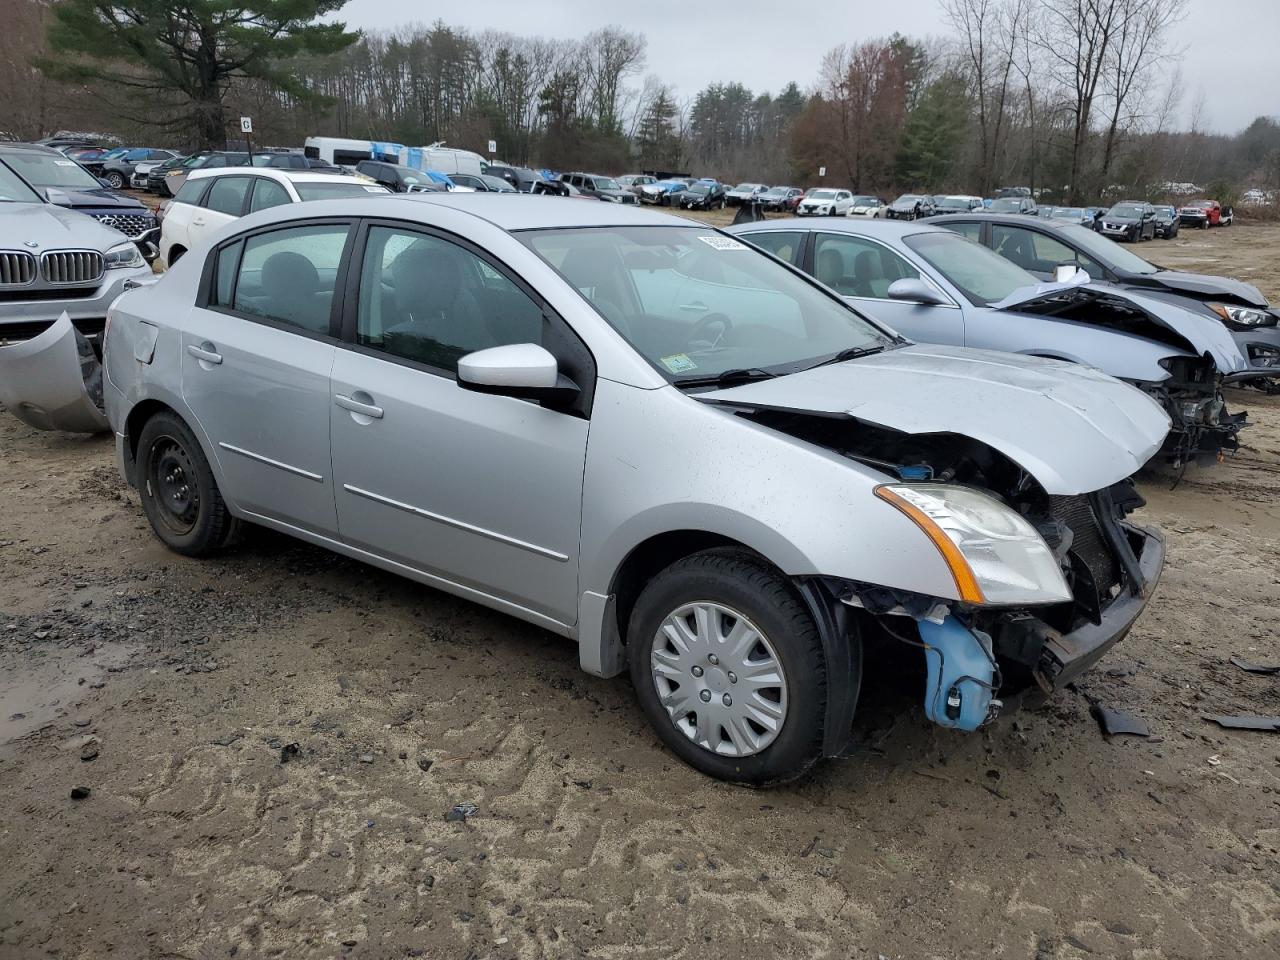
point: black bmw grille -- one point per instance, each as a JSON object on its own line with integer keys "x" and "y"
{"x": 16, "y": 268}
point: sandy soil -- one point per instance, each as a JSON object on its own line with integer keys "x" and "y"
{"x": 206, "y": 834}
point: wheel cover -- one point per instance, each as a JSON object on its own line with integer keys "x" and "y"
{"x": 719, "y": 679}
{"x": 172, "y": 484}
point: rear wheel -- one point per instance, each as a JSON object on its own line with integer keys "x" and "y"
{"x": 729, "y": 668}
{"x": 179, "y": 494}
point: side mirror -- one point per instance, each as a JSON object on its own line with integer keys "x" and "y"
{"x": 913, "y": 290}
{"x": 523, "y": 370}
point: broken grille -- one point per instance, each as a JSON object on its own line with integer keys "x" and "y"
{"x": 16, "y": 268}
{"x": 72, "y": 266}
{"x": 1088, "y": 544}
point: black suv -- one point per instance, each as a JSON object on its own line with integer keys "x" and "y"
{"x": 600, "y": 187}
{"x": 65, "y": 183}
{"x": 703, "y": 195}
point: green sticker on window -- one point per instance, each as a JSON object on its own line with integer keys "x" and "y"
{"x": 679, "y": 363}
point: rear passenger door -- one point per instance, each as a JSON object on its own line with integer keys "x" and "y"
{"x": 257, "y": 353}
{"x": 474, "y": 492}
{"x": 223, "y": 202}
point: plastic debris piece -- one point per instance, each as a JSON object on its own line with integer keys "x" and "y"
{"x": 1116, "y": 722}
{"x": 1245, "y": 722}
{"x": 1248, "y": 667}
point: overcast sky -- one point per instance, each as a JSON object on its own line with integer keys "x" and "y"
{"x": 1233, "y": 46}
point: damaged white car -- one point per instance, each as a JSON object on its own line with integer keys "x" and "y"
{"x": 59, "y": 271}
{"x": 646, "y": 436}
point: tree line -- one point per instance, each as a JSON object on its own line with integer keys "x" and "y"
{"x": 1078, "y": 97}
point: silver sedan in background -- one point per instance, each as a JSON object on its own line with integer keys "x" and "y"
{"x": 936, "y": 286}
{"x": 644, "y": 435}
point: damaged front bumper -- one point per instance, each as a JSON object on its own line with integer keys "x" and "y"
{"x": 53, "y": 381}
{"x": 1064, "y": 656}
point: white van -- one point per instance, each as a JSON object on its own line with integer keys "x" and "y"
{"x": 347, "y": 153}
{"x": 443, "y": 160}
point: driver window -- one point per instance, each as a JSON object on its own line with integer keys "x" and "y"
{"x": 1051, "y": 252}
{"x": 429, "y": 300}
{"x": 855, "y": 267}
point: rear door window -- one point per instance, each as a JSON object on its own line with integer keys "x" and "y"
{"x": 783, "y": 244}
{"x": 289, "y": 275}
{"x": 227, "y": 195}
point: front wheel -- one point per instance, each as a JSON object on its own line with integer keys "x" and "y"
{"x": 179, "y": 494}
{"x": 729, "y": 668}
{"x": 115, "y": 180}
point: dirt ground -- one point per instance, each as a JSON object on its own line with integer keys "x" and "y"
{"x": 207, "y": 833}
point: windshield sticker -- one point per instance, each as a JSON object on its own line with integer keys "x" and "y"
{"x": 372, "y": 189}
{"x": 723, "y": 243}
{"x": 680, "y": 362}
{"x": 64, "y": 163}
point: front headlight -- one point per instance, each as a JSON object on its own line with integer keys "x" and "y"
{"x": 124, "y": 255}
{"x": 1243, "y": 316}
{"x": 994, "y": 554}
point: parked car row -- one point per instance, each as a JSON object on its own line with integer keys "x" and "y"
{"x": 966, "y": 490}
{"x": 974, "y": 502}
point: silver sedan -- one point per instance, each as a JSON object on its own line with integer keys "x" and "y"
{"x": 939, "y": 287}
{"x": 648, "y": 437}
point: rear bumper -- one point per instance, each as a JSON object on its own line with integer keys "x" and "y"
{"x": 1065, "y": 656}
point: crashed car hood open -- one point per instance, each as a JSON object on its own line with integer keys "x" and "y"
{"x": 1203, "y": 335}
{"x": 1073, "y": 428}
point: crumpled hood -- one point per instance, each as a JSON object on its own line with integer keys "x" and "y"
{"x": 1073, "y": 428}
{"x": 1204, "y": 335}
{"x": 52, "y": 227}
{"x": 1203, "y": 285}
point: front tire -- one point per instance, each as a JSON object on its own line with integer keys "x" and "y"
{"x": 178, "y": 491}
{"x": 729, "y": 669}
{"x": 116, "y": 181}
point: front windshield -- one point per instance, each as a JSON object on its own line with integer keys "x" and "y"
{"x": 1006, "y": 205}
{"x": 333, "y": 191}
{"x": 1068, "y": 213}
{"x": 1165, "y": 211}
{"x": 865, "y": 201}
{"x": 696, "y": 303}
{"x": 821, "y": 195}
{"x": 953, "y": 203}
{"x": 13, "y": 189}
{"x": 1130, "y": 210}
{"x": 747, "y": 187}
{"x": 607, "y": 183}
{"x": 981, "y": 274}
{"x": 776, "y": 192}
{"x": 908, "y": 198}
{"x": 1106, "y": 252}
{"x": 51, "y": 170}
{"x": 699, "y": 188}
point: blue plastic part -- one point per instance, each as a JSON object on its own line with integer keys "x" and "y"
{"x": 958, "y": 691}
{"x": 920, "y": 472}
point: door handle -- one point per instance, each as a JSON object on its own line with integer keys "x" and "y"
{"x": 204, "y": 352}
{"x": 355, "y": 406}
{"x": 694, "y": 306}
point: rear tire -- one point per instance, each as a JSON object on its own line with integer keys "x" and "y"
{"x": 729, "y": 601}
{"x": 178, "y": 491}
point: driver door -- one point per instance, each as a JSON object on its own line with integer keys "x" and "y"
{"x": 481, "y": 494}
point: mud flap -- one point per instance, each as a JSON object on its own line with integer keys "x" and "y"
{"x": 54, "y": 381}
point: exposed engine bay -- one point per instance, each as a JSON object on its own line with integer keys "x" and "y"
{"x": 1202, "y": 429}
{"x": 1104, "y": 560}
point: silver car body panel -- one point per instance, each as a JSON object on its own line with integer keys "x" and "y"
{"x": 533, "y": 512}
{"x": 1103, "y": 429}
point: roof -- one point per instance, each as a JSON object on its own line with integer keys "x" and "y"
{"x": 9, "y": 147}
{"x": 859, "y": 225}
{"x": 505, "y": 211}
{"x": 276, "y": 173}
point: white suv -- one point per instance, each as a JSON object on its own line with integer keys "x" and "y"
{"x": 210, "y": 198}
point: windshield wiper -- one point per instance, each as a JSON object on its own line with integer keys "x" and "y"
{"x": 850, "y": 353}
{"x": 728, "y": 378}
